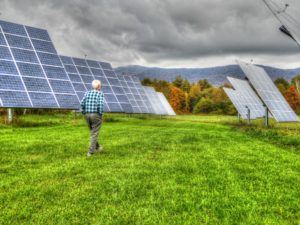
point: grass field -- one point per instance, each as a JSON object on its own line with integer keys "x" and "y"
{"x": 182, "y": 170}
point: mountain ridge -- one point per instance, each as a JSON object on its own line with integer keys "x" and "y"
{"x": 215, "y": 75}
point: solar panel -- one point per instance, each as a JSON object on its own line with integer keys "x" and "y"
{"x": 31, "y": 73}
{"x": 136, "y": 94}
{"x": 166, "y": 104}
{"x": 250, "y": 99}
{"x": 128, "y": 91}
{"x": 155, "y": 101}
{"x": 238, "y": 101}
{"x": 269, "y": 93}
{"x": 82, "y": 72}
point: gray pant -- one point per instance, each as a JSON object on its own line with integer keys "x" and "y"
{"x": 94, "y": 122}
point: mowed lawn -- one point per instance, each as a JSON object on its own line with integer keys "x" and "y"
{"x": 153, "y": 171}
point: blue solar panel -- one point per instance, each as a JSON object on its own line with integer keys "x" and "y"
{"x": 92, "y": 63}
{"x": 118, "y": 90}
{"x": 11, "y": 83}
{"x": 38, "y": 33}
{"x": 55, "y": 72}
{"x": 110, "y": 73}
{"x": 60, "y": 86}
{"x": 114, "y": 82}
{"x": 13, "y": 28}
{"x": 18, "y": 42}
{"x": 23, "y": 55}
{"x": 32, "y": 70}
{"x": 43, "y": 46}
{"x": 5, "y": 53}
{"x": 67, "y": 101}
{"x": 115, "y": 107}
{"x": 36, "y": 84}
{"x": 97, "y": 72}
{"x": 49, "y": 59}
{"x": 7, "y": 67}
{"x": 75, "y": 78}
{"x": 89, "y": 70}
{"x": 66, "y": 60}
{"x": 105, "y": 66}
{"x": 14, "y": 99}
{"x": 70, "y": 69}
{"x": 110, "y": 98}
{"x": 80, "y": 62}
{"x": 43, "y": 100}
{"x": 79, "y": 87}
{"x": 87, "y": 79}
{"x": 39, "y": 69}
{"x": 107, "y": 90}
{"x": 83, "y": 70}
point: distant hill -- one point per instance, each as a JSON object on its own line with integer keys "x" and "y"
{"x": 215, "y": 75}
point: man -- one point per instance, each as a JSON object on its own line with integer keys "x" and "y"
{"x": 92, "y": 108}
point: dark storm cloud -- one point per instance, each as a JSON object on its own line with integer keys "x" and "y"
{"x": 155, "y": 31}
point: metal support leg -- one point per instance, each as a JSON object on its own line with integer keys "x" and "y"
{"x": 249, "y": 116}
{"x": 10, "y": 115}
{"x": 266, "y": 117}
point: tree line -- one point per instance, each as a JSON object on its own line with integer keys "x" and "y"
{"x": 201, "y": 97}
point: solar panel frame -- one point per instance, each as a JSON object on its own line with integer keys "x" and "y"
{"x": 269, "y": 93}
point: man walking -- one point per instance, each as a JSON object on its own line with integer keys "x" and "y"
{"x": 92, "y": 108}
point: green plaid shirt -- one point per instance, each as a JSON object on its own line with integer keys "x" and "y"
{"x": 93, "y": 102}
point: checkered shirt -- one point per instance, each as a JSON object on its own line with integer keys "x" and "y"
{"x": 93, "y": 102}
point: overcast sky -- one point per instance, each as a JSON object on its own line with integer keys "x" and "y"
{"x": 167, "y": 33}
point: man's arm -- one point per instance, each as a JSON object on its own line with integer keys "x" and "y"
{"x": 101, "y": 103}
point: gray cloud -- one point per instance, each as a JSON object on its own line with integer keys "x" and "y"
{"x": 159, "y": 32}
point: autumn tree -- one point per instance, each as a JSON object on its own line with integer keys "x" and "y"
{"x": 296, "y": 83}
{"x": 147, "y": 82}
{"x": 178, "y": 82}
{"x": 282, "y": 85}
{"x": 194, "y": 96}
{"x": 186, "y": 86}
{"x": 293, "y": 98}
{"x": 204, "y": 84}
{"x": 178, "y": 100}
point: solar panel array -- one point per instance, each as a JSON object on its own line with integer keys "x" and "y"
{"x": 269, "y": 93}
{"x": 31, "y": 73}
{"x": 82, "y": 72}
{"x": 250, "y": 99}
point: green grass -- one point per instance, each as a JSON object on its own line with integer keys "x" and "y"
{"x": 182, "y": 170}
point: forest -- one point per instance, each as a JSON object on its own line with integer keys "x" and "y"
{"x": 202, "y": 97}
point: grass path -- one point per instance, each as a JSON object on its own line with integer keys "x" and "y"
{"x": 152, "y": 172}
